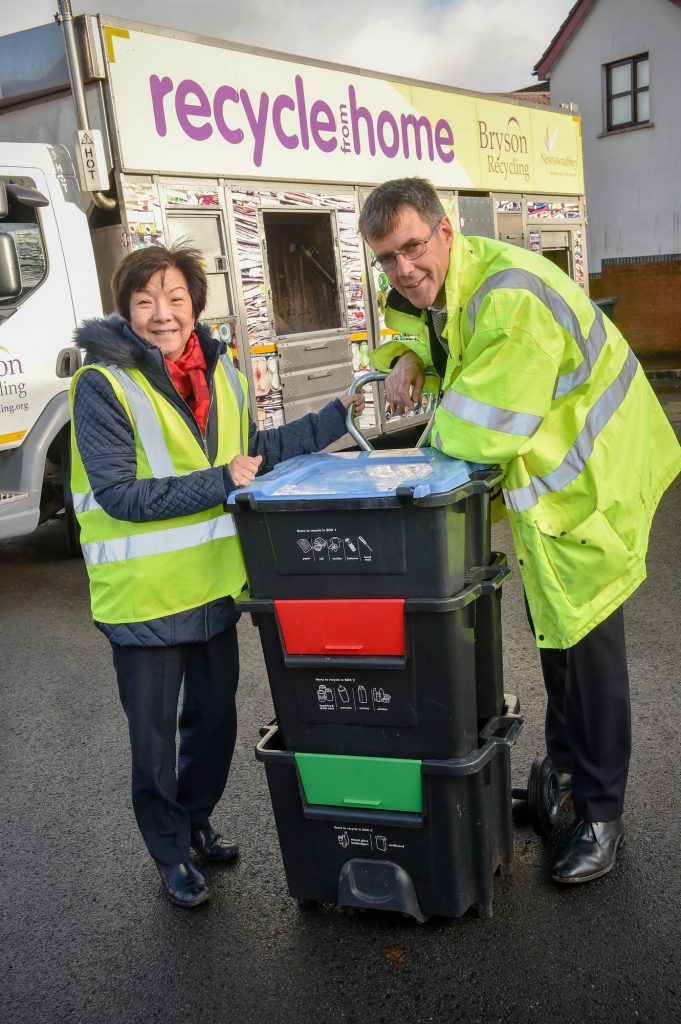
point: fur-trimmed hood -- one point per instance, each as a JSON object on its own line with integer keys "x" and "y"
{"x": 112, "y": 340}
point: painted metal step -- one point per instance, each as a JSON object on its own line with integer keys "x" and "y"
{"x": 8, "y": 496}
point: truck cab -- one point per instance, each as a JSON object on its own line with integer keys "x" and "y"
{"x": 48, "y": 285}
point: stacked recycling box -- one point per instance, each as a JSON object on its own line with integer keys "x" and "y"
{"x": 377, "y": 599}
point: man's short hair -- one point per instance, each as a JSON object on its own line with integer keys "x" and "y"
{"x": 381, "y": 211}
{"x": 136, "y": 269}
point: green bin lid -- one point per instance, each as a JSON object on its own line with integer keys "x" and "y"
{"x": 374, "y": 783}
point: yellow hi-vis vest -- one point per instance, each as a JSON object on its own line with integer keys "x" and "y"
{"x": 144, "y": 571}
{"x": 539, "y": 382}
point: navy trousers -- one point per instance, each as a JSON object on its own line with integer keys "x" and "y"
{"x": 588, "y": 717}
{"x": 174, "y": 792}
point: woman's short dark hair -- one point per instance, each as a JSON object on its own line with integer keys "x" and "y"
{"x": 136, "y": 269}
{"x": 381, "y": 211}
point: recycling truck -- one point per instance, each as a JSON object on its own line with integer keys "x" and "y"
{"x": 262, "y": 161}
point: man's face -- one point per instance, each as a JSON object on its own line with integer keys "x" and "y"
{"x": 420, "y": 280}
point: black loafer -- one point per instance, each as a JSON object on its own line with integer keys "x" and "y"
{"x": 213, "y": 847}
{"x": 590, "y": 853}
{"x": 183, "y": 884}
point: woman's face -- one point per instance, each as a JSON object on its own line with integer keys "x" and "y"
{"x": 162, "y": 312}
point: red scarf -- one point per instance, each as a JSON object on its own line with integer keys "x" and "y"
{"x": 188, "y": 374}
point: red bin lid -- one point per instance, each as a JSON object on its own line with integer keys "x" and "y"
{"x": 341, "y": 628}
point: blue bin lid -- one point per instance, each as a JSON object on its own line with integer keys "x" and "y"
{"x": 363, "y": 476}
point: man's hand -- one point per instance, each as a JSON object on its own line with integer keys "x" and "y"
{"x": 404, "y": 384}
{"x": 243, "y": 469}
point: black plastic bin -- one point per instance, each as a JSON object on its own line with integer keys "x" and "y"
{"x": 438, "y": 857}
{"x": 386, "y": 677}
{"x": 325, "y": 540}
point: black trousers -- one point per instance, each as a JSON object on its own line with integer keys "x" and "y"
{"x": 588, "y": 717}
{"x": 173, "y": 793}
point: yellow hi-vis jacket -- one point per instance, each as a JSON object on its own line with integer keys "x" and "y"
{"x": 539, "y": 382}
{"x": 143, "y": 571}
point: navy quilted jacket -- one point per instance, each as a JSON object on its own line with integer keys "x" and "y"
{"x": 107, "y": 447}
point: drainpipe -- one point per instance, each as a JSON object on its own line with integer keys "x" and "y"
{"x": 65, "y": 18}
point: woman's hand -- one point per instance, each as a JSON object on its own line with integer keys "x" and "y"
{"x": 243, "y": 469}
{"x": 357, "y": 400}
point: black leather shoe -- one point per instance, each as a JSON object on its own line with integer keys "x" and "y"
{"x": 591, "y": 851}
{"x": 213, "y": 847}
{"x": 185, "y": 886}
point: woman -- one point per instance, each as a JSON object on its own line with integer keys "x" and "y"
{"x": 160, "y": 436}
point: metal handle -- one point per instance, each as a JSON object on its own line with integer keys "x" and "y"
{"x": 68, "y": 361}
{"x": 352, "y": 428}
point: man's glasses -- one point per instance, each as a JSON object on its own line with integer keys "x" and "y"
{"x": 410, "y": 252}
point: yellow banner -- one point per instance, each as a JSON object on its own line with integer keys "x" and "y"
{"x": 185, "y": 106}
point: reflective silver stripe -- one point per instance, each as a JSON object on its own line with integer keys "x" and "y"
{"x": 233, "y": 378}
{"x": 490, "y": 416}
{"x": 148, "y": 427}
{"x": 593, "y": 347}
{"x": 84, "y": 502}
{"x": 150, "y": 433}
{"x": 590, "y": 347}
{"x": 438, "y": 441}
{"x": 523, "y": 498}
{"x": 160, "y": 542}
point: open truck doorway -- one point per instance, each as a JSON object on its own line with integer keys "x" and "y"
{"x": 303, "y": 271}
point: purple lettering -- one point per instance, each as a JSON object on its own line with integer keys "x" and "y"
{"x": 386, "y": 118}
{"x": 186, "y": 90}
{"x": 302, "y": 113}
{"x": 323, "y": 121}
{"x": 357, "y": 114}
{"x": 160, "y": 87}
{"x": 418, "y": 124}
{"x": 283, "y": 102}
{"x": 444, "y": 136}
{"x": 258, "y": 124}
{"x": 222, "y": 95}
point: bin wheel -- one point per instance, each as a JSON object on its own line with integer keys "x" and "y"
{"x": 543, "y": 795}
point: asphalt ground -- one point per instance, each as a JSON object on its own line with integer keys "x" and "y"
{"x": 87, "y": 935}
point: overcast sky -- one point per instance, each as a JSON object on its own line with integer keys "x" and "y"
{"x": 473, "y": 44}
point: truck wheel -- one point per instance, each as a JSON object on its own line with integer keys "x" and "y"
{"x": 72, "y": 535}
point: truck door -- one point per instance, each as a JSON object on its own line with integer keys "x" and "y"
{"x": 45, "y": 225}
{"x": 38, "y": 322}
{"x": 306, "y": 306}
{"x": 206, "y": 232}
{"x": 509, "y": 216}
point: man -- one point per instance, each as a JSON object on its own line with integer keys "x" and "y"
{"x": 535, "y": 379}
